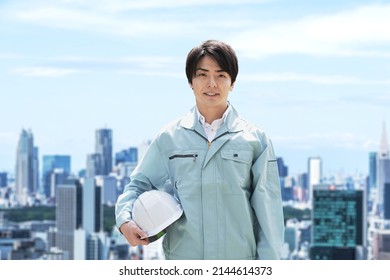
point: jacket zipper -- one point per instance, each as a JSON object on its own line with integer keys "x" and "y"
{"x": 194, "y": 156}
{"x": 210, "y": 142}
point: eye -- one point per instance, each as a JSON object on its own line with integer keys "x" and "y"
{"x": 222, "y": 75}
{"x": 201, "y": 74}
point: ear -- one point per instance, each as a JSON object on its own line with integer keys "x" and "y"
{"x": 190, "y": 84}
{"x": 232, "y": 87}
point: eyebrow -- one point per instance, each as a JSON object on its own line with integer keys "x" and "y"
{"x": 206, "y": 70}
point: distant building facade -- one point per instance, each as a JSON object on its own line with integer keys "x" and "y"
{"x": 339, "y": 224}
{"x": 27, "y": 168}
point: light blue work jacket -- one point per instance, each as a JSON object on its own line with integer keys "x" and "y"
{"x": 229, "y": 190}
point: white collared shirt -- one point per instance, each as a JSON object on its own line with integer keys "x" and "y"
{"x": 211, "y": 129}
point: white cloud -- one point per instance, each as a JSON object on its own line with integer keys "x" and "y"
{"x": 311, "y": 78}
{"x": 359, "y": 32}
{"x": 126, "y": 5}
{"x": 152, "y": 73}
{"x": 62, "y": 66}
{"x": 128, "y": 18}
{"x": 49, "y": 72}
{"x": 139, "y": 61}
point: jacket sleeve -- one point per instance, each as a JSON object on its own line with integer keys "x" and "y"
{"x": 267, "y": 203}
{"x": 150, "y": 173}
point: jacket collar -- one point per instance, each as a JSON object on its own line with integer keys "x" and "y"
{"x": 233, "y": 122}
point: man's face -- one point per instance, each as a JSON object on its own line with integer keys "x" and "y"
{"x": 211, "y": 85}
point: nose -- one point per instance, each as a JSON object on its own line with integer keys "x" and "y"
{"x": 211, "y": 82}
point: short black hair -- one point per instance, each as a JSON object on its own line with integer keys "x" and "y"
{"x": 222, "y": 53}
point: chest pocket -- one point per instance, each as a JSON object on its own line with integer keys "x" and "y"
{"x": 184, "y": 168}
{"x": 236, "y": 170}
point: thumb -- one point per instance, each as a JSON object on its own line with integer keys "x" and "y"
{"x": 141, "y": 233}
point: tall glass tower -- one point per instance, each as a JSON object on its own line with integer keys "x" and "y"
{"x": 92, "y": 206}
{"x": 372, "y": 168}
{"x": 314, "y": 167}
{"x": 49, "y": 164}
{"x": 103, "y": 146}
{"x": 26, "y": 173}
{"x": 339, "y": 223}
{"x": 68, "y": 215}
{"x": 383, "y": 175}
{"x": 3, "y": 179}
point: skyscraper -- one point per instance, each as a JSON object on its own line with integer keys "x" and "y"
{"x": 57, "y": 177}
{"x": 3, "y": 179}
{"x": 314, "y": 167}
{"x": 26, "y": 173}
{"x": 130, "y": 155}
{"x": 108, "y": 185}
{"x": 283, "y": 169}
{"x": 103, "y": 147}
{"x": 339, "y": 223}
{"x": 93, "y": 219}
{"x": 386, "y": 199}
{"x": 372, "y": 162}
{"x": 68, "y": 215}
{"x": 383, "y": 175}
{"x": 94, "y": 165}
{"x": 371, "y": 181}
{"x": 303, "y": 187}
{"x": 92, "y": 206}
{"x": 381, "y": 244}
{"x": 49, "y": 164}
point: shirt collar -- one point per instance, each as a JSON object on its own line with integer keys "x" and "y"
{"x": 217, "y": 122}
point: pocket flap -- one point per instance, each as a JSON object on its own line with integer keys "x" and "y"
{"x": 237, "y": 155}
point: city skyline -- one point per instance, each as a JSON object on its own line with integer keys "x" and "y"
{"x": 315, "y": 76}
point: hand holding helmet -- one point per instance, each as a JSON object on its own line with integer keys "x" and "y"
{"x": 133, "y": 234}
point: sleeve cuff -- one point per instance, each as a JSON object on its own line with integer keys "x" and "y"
{"x": 122, "y": 218}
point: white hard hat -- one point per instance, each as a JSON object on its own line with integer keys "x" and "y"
{"x": 154, "y": 211}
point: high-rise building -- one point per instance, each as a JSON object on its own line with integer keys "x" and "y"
{"x": 291, "y": 235}
{"x": 383, "y": 175}
{"x": 302, "y": 187}
{"x": 57, "y": 177}
{"x": 130, "y": 155}
{"x": 68, "y": 215}
{"x": 372, "y": 162}
{"x": 339, "y": 223}
{"x": 314, "y": 171}
{"x": 93, "y": 219}
{"x": 386, "y": 199}
{"x": 49, "y": 164}
{"x": 283, "y": 169}
{"x": 103, "y": 147}
{"x": 108, "y": 185}
{"x": 92, "y": 206}
{"x": 26, "y": 173}
{"x": 371, "y": 180}
{"x": 94, "y": 165}
{"x": 3, "y": 179}
{"x": 381, "y": 244}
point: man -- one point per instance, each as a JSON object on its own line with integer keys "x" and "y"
{"x": 222, "y": 169}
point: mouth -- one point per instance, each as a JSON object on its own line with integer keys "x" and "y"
{"x": 211, "y": 94}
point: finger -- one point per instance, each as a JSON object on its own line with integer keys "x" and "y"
{"x": 144, "y": 241}
{"x": 142, "y": 234}
{"x": 137, "y": 240}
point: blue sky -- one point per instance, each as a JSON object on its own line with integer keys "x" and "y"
{"x": 314, "y": 75}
